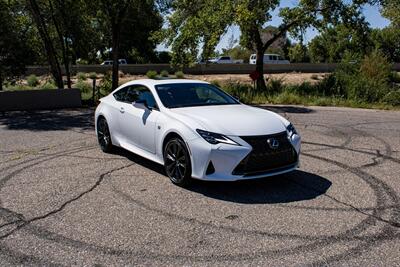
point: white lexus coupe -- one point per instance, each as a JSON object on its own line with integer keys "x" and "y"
{"x": 196, "y": 130}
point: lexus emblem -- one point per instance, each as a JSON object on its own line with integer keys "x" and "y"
{"x": 273, "y": 143}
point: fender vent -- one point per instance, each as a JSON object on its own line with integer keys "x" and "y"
{"x": 210, "y": 168}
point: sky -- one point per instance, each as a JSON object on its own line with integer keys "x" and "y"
{"x": 371, "y": 14}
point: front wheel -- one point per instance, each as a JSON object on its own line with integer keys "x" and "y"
{"x": 177, "y": 162}
{"x": 103, "y": 135}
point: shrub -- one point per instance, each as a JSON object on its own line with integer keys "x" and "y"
{"x": 395, "y": 77}
{"x": 179, "y": 75}
{"x": 151, "y": 74}
{"x": 32, "y": 80}
{"x": 83, "y": 86}
{"x": 105, "y": 85}
{"x": 81, "y": 76}
{"x": 49, "y": 85}
{"x": 244, "y": 92}
{"x": 93, "y": 75}
{"x": 392, "y": 98}
{"x": 314, "y": 77}
{"x": 164, "y": 73}
{"x": 275, "y": 85}
{"x": 371, "y": 83}
{"x": 215, "y": 83}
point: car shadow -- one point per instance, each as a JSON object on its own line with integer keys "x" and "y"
{"x": 286, "y": 109}
{"x": 48, "y": 120}
{"x": 291, "y": 187}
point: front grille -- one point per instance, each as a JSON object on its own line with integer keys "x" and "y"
{"x": 264, "y": 159}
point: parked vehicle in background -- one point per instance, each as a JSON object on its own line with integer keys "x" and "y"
{"x": 225, "y": 60}
{"x": 121, "y": 61}
{"x": 269, "y": 59}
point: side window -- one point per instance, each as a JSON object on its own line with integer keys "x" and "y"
{"x": 120, "y": 94}
{"x": 145, "y": 94}
{"x": 274, "y": 58}
{"x": 131, "y": 95}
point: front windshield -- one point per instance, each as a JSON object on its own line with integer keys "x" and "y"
{"x": 177, "y": 95}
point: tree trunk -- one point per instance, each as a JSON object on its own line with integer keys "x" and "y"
{"x": 261, "y": 86}
{"x": 63, "y": 42}
{"x": 50, "y": 50}
{"x": 1, "y": 81}
{"x": 115, "y": 53}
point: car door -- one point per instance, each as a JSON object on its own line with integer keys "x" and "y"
{"x": 138, "y": 122}
{"x": 117, "y": 110}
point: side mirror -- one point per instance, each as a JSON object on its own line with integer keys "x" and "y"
{"x": 141, "y": 103}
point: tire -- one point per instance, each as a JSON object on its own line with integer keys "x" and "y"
{"x": 177, "y": 162}
{"x": 104, "y": 135}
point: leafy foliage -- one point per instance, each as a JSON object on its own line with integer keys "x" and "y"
{"x": 32, "y": 80}
{"x": 164, "y": 73}
{"x": 200, "y": 24}
{"x": 179, "y": 75}
{"x": 151, "y": 74}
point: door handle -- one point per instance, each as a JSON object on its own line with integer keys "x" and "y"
{"x": 122, "y": 110}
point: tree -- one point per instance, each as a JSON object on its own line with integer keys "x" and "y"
{"x": 128, "y": 25}
{"x": 51, "y": 52}
{"x": 201, "y": 23}
{"x": 298, "y": 53}
{"x": 114, "y": 15}
{"x": 142, "y": 19}
{"x": 391, "y": 10}
{"x": 15, "y": 51}
{"x": 387, "y": 40}
{"x": 238, "y": 52}
{"x": 336, "y": 41}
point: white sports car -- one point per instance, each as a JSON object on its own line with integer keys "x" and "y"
{"x": 196, "y": 130}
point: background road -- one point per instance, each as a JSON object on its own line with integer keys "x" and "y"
{"x": 64, "y": 202}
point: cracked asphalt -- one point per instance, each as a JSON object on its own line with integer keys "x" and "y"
{"x": 63, "y": 202}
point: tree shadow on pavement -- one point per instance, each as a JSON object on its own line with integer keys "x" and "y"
{"x": 50, "y": 120}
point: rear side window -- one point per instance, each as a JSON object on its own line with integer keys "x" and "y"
{"x": 225, "y": 58}
{"x": 120, "y": 94}
{"x": 133, "y": 93}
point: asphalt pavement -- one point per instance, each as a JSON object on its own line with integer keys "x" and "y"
{"x": 64, "y": 202}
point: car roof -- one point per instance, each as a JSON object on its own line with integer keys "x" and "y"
{"x": 152, "y": 82}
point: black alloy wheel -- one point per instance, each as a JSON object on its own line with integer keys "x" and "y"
{"x": 177, "y": 162}
{"x": 103, "y": 135}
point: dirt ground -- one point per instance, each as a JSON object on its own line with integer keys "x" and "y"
{"x": 287, "y": 78}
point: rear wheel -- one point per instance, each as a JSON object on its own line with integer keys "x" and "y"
{"x": 177, "y": 162}
{"x": 103, "y": 135}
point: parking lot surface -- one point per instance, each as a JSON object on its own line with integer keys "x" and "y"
{"x": 64, "y": 202}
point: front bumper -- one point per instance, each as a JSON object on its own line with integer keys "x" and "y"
{"x": 225, "y": 158}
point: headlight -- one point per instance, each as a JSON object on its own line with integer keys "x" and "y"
{"x": 291, "y": 130}
{"x": 215, "y": 138}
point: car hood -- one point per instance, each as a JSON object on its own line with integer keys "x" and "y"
{"x": 234, "y": 120}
